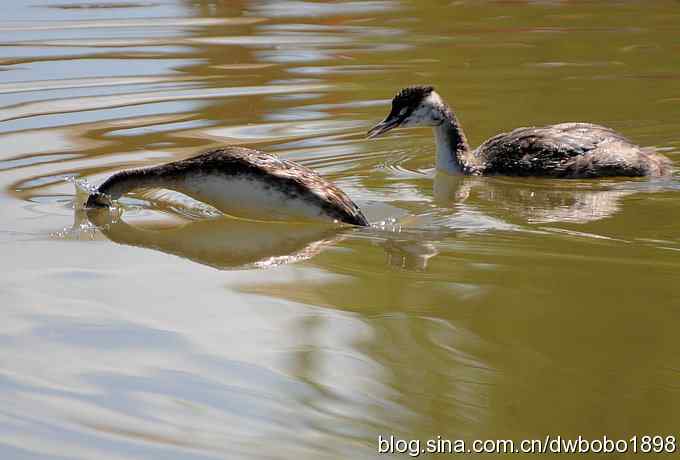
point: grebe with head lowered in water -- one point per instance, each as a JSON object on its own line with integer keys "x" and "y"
{"x": 241, "y": 182}
{"x": 566, "y": 150}
{"x": 248, "y": 183}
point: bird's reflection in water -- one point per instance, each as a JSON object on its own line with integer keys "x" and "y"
{"x": 410, "y": 255}
{"x": 531, "y": 200}
{"x": 472, "y": 202}
{"x": 224, "y": 243}
{"x": 479, "y": 204}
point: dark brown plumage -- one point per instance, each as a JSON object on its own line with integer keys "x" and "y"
{"x": 285, "y": 177}
{"x": 567, "y": 150}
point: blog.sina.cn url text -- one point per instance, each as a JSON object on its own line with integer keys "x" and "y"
{"x": 643, "y": 444}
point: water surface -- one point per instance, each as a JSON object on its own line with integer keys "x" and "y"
{"x": 473, "y": 308}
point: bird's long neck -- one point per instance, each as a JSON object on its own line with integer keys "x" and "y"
{"x": 453, "y": 151}
{"x": 126, "y": 181}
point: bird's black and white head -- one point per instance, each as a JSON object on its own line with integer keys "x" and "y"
{"x": 412, "y": 106}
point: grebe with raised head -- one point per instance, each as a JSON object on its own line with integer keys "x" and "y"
{"x": 248, "y": 183}
{"x": 241, "y": 182}
{"x": 566, "y": 150}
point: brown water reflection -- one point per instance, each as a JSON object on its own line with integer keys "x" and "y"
{"x": 222, "y": 243}
{"x": 474, "y": 307}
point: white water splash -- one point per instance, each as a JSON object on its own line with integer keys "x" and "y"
{"x": 83, "y": 190}
{"x": 391, "y": 224}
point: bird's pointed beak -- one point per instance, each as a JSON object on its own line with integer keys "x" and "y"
{"x": 381, "y": 128}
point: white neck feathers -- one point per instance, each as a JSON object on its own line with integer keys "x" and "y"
{"x": 447, "y": 159}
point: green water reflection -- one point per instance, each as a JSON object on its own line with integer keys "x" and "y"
{"x": 474, "y": 307}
